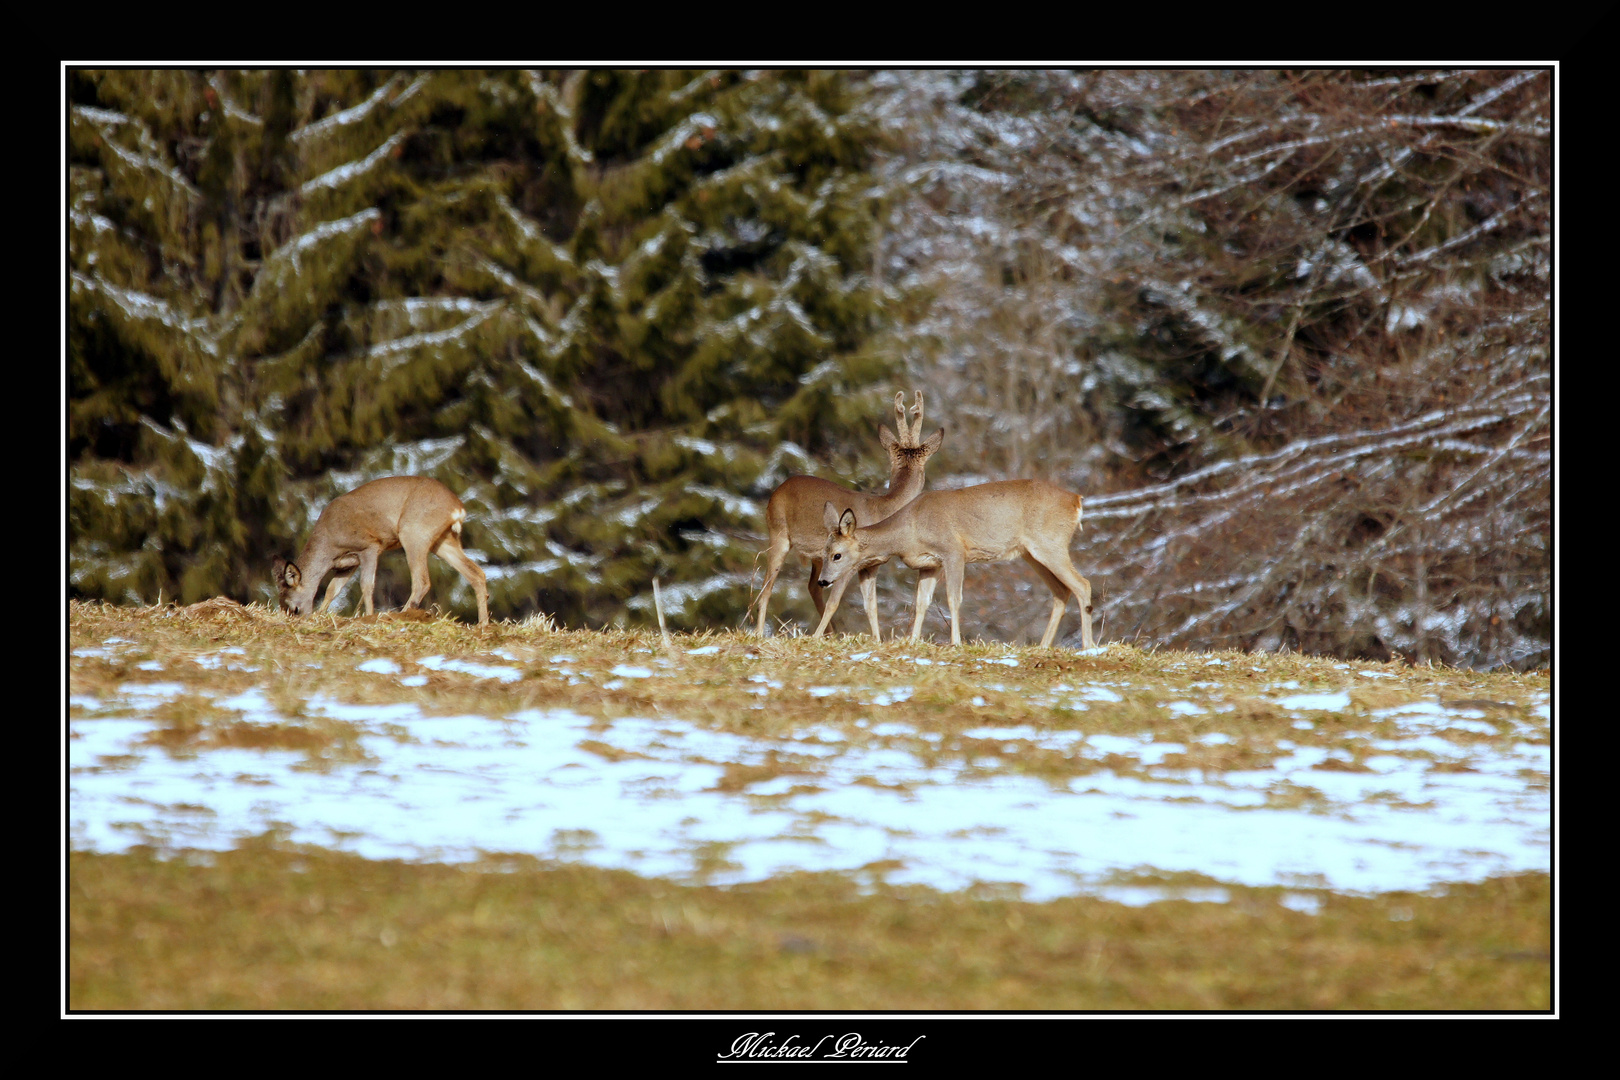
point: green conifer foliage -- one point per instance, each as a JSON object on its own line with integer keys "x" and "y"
{"x": 610, "y": 309}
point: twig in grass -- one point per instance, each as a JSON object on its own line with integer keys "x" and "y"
{"x": 658, "y": 606}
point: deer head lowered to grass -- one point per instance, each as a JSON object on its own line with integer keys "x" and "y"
{"x": 794, "y": 511}
{"x": 940, "y": 532}
{"x": 416, "y": 513}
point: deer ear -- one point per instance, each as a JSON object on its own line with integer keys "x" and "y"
{"x": 829, "y": 517}
{"x": 846, "y": 524}
{"x": 288, "y": 574}
{"x": 932, "y": 443}
{"x": 886, "y": 437}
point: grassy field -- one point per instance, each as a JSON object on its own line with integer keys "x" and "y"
{"x": 275, "y": 925}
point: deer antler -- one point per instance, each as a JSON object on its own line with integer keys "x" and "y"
{"x": 916, "y": 420}
{"x": 794, "y": 512}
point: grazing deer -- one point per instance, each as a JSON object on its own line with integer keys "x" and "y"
{"x": 943, "y": 531}
{"x": 416, "y": 513}
{"x": 794, "y": 511}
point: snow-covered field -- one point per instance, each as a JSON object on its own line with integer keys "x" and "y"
{"x": 651, "y": 794}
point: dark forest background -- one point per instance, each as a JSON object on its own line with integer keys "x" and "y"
{"x": 1288, "y": 332}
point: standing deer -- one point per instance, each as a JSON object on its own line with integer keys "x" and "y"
{"x": 794, "y": 511}
{"x": 416, "y": 513}
{"x": 943, "y": 531}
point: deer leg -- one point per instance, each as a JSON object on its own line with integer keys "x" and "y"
{"x": 1060, "y": 597}
{"x": 835, "y": 594}
{"x": 368, "y": 576}
{"x": 449, "y": 550}
{"x": 953, "y": 595}
{"x": 773, "y": 566}
{"x": 416, "y": 555}
{"x": 334, "y": 588}
{"x": 1084, "y": 596}
{"x": 818, "y": 595}
{"x": 925, "y": 596}
{"x": 1062, "y": 578}
{"x": 868, "y": 580}
{"x": 343, "y": 568}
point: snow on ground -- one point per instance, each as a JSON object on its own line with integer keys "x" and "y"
{"x": 643, "y": 794}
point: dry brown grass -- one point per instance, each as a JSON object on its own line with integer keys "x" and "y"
{"x": 267, "y": 927}
{"x": 952, "y": 690}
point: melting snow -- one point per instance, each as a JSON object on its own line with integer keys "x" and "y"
{"x": 450, "y": 787}
{"x": 1330, "y": 702}
{"x": 483, "y": 671}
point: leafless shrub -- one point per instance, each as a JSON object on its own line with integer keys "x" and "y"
{"x": 1289, "y": 333}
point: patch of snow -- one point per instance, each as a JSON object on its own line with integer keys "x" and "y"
{"x": 1328, "y": 702}
{"x": 482, "y": 671}
{"x": 1304, "y": 903}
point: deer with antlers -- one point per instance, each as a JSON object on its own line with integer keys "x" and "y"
{"x": 940, "y": 532}
{"x": 793, "y": 513}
